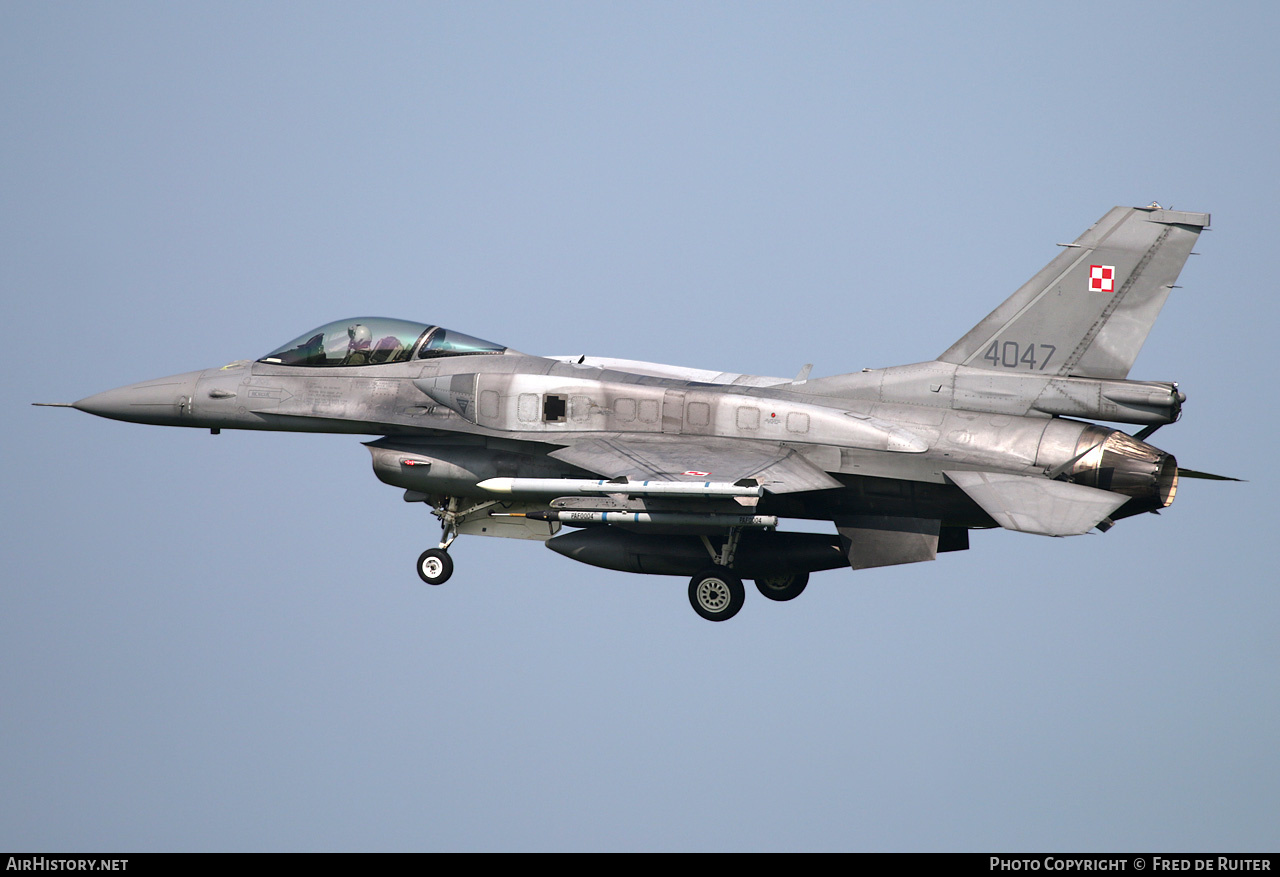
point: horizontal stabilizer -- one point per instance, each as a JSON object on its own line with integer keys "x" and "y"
{"x": 1037, "y": 505}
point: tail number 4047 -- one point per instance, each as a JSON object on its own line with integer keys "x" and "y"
{"x": 1014, "y": 354}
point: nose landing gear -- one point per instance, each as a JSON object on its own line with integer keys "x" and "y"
{"x": 435, "y": 565}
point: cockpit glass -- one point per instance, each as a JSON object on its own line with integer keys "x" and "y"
{"x": 446, "y": 342}
{"x": 359, "y": 341}
{"x": 374, "y": 341}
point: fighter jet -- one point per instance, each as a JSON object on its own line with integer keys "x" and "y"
{"x": 658, "y": 469}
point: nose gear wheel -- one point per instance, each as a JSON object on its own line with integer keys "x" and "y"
{"x": 435, "y": 566}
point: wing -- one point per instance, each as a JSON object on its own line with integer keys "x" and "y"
{"x": 1038, "y": 505}
{"x": 669, "y": 458}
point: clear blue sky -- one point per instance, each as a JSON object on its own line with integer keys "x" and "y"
{"x": 219, "y": 643}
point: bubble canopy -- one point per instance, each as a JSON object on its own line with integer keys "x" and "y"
{"x": 375, "y": 341}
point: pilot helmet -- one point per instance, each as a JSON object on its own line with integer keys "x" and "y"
{"x": 360, "y": 335}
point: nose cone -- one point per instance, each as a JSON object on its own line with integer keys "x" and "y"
{"x": 164, "y": 401}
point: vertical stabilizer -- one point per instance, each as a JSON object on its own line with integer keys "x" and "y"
{"x": 1088, "y": 311}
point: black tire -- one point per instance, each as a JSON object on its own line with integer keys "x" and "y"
{"x": 435, "y": 566}
{"x": 716, "y": 594}
{"x": 783, "y": 587}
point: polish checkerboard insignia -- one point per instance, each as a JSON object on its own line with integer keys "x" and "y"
{"x": 1102, "y": 278}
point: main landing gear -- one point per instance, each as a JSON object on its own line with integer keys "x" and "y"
{"x": 783, "y": 587}
{"x": 716, "y": 593}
